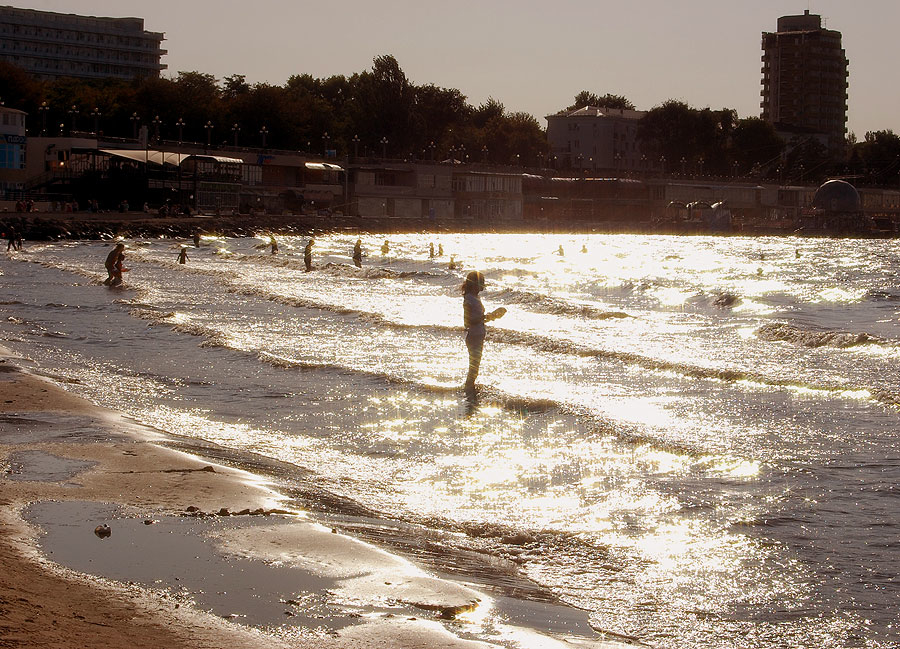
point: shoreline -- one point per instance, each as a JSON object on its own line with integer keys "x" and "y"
{"x": 48, "y": 458}
{"x": 49, "y": 226}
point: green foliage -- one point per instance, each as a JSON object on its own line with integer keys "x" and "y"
{"x": 376, "y": 110}
{"x": 586, "y": 98}
{"x": 878, "y": 157}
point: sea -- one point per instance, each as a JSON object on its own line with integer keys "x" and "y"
{"x": 694, "y": 439}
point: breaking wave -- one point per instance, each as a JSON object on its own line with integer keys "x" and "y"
{"x": 780, "y": 331}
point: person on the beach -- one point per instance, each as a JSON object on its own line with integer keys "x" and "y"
{"x": 357, "y": 253}
{"x": 111, "y": 260}
{"x": 274, "y": 244}
{"x": 12, "y": 239}
{"x": 182, "y": 256}
{"x": 118, "y": 269}
{"x": 440, "y": 250}
{"x": 196, "y": 239}
{"x": 474, "y": 318}
{"x": 385, "y": 248}
{"x": 307, "y": 255}
{"x": 431, "y": 250}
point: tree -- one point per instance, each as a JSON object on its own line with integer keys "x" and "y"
{"x": 879, "y": 153}
{"x": 586, "y": 98}
{"x": 754, "y": 143}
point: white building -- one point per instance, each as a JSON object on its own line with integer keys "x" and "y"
{"x": 595, "y": 139}
{"x": 50, "y": 45}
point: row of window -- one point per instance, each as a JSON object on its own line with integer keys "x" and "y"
{"x": 72, "y": 67}
{"x": 79, "y": 36}
{"x": 14, "y": 47}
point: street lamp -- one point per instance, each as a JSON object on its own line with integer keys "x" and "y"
{"x": 325, "y": 141}
{"x": 43, "y": 108}
{"x": 431, "y": 147}
{"x": 683, "y": 163}
{"x": 235, "y": 129}
{"x": 461, "y": 150}
{"x": 662, "y": 164}
{"x": 209, "y": 127}
{"x": 384, "y": 143}
{"x": 484, "y": 153}
{"x": 135, "y": 121}
{"x": 96, "y": 115}
{"x": 73, "y": 113}
{"x": 156, "y": 122}
{"x": 701, "y": 161}
{"x": 180, "y": 125}
{"x": 355, "y": 140}
{"x": 263, "y": 132}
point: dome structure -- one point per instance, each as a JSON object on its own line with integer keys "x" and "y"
{"x": 837, "y": 196}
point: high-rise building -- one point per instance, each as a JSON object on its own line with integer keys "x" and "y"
{"x": 50, "y": 45}
{"x": 804, "y": 79}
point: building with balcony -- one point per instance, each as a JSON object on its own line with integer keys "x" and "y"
{"x": 595, "y": 139}
{"x": 805, "y": 79}
{"x": 50, "y": 45}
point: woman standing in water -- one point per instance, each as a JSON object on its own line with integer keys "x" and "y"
{"x": 474, "y": 318}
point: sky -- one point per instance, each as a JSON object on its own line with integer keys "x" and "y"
{"x": 531, "y": 56}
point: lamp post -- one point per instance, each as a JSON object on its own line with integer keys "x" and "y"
{"x": 683, "y": 163}
{"x": 662, "y": 164}
{"x": 73, "y": 113}
{"x": 484, "y": 153}
{"x": 209, "y": 127}
{"x": 355, "y": 140}
{"x": 431, "y": 148}
{"x": 518, "y": 160}
{"x": 325, "y": 140}
{"x": 135, "y": 121}
{"x": 180, "y": 125}
{"x": 263, "y": 132}
{"x": 461, "y": 150}
{"x": 43, "y": 108}
{"x": 156, "y": 122}
{"x": 235, "y": 129}
{"x": 96, "y": 114}
{"x": 701, "y": 161}
{"x": 384, "y": 143}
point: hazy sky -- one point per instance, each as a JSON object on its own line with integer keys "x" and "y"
{"x": 532, "y": 56}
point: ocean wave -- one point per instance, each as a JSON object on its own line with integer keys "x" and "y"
{"x": 544, "y": 304}
{"x": 805, "y": 337}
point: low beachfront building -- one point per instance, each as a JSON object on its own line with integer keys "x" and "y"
{"x": 596, "y": 139}
{"x": 401, "y": 189}
{"x": 12, "y": 150}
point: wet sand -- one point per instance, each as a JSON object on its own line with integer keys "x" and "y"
{"x": 193, "y": 547}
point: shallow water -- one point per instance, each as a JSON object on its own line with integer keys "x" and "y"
{"x": 694, "y": 438}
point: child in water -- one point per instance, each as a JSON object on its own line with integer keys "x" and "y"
{"x": 474, "y": 319}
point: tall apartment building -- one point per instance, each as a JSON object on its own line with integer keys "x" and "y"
{"x": 49, "y": 45}
{"x": 804, "y": 79}
{"x": 591, "y": 138}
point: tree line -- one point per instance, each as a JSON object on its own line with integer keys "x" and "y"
{"x": 379, "y": 112}
{"x": 376, "y": 112}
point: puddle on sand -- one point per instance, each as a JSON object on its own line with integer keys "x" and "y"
{"x": 40, "y": 466}
{"x": 174, "y": 553}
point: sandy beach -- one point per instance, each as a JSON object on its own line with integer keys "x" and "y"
{"x": 70, "y": 468}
